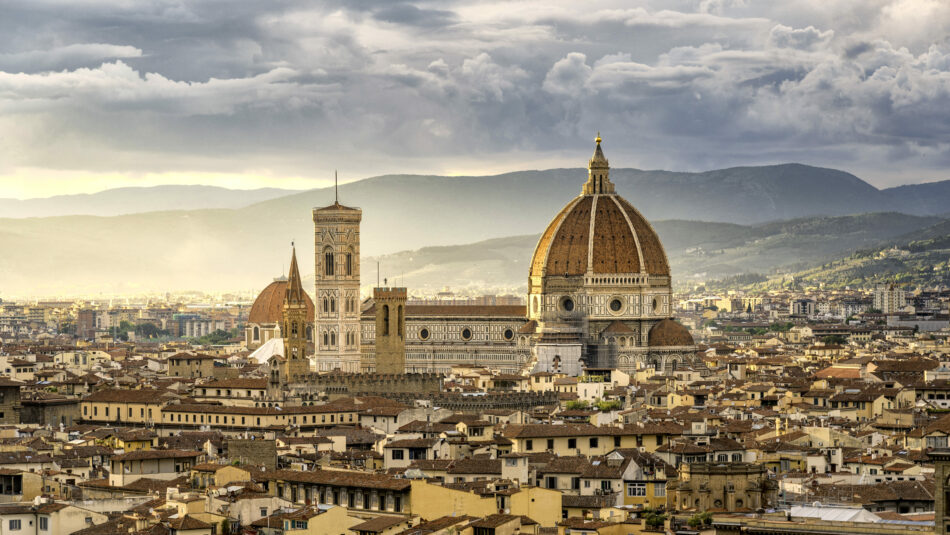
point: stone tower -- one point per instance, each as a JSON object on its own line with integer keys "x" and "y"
{"x": 294, "y": 326}
{"x": 390, "y": 329}
{"x": 337, "y": 298}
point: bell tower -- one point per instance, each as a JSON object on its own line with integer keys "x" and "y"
{"x": 294, "y": 326}
{"x": 336, "y": 239}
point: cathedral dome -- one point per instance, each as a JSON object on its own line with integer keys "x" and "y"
{"x": 269, "y": 303}
{"x": 599, "y": 232}
{"x": 669, "y": 333}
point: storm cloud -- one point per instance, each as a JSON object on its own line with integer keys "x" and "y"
{"x": 295, "y": 88}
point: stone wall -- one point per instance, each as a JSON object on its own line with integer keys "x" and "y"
{"x": 258, "y": 452}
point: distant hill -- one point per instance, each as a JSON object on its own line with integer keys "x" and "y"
{"x": 917, "y": 259}
{"x": 697, "y": 251}
{"x": 735, "y": 195}
{"x": 135, "y": 200}
{"x": 244, "y": 247}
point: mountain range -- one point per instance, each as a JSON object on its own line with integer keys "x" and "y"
{"x": 133, "y": 200}
{"x": 713, "y": 224}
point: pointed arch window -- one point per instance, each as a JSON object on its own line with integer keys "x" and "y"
{"x": 349, "y": 263}
{"x": 326, "y": 339}
{"x": 333, "y": 304}
{"x": 332, "y": 339}
{"x": 385, "y": 320}
{"x": 328, "y": 261}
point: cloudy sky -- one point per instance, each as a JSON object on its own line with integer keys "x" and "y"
{"x": 98, "y": 93}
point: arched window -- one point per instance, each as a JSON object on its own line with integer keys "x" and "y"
{"x": 385, "y": 320}
{"x": 326, "y": 339}
{"x": 293, "y": 329}
{"x": 333, "y": 304}
{"x": 328, "y": 261}
{"x": 332, "y": 339}
{"x": 326, "y": 304}
{"x": 257, "y": 333}
{"x": 349, "y": 263}
{"x": 309, "y": 333}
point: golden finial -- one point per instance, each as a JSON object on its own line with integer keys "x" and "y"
{"x": 597, "y": 139}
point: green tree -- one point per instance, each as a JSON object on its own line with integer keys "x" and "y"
{"x": 700, "y": 519}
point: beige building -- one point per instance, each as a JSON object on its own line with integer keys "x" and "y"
{"x": 123, "y": 406}
{"x": 440, "y": 337}
{"x": 722, "y": 486}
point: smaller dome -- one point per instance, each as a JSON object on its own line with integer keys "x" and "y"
{"x": 269, "y": 304}
{"x": 669, "y": 333}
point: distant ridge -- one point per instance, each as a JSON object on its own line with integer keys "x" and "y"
{"x": 245, "y": 247}
{"x": 133, "y": 200}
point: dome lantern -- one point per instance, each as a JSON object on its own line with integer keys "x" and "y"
{"x": 598, "y": 173}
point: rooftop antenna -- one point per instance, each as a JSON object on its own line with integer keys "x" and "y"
{"x": 377, "y": 274}
{"x": 336, "y": 187}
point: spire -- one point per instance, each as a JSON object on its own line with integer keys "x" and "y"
{"x": 294, "y": 291}
{"x": 598, "y": 173}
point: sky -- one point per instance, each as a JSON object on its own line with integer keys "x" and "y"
{"x": 97, "y": 94}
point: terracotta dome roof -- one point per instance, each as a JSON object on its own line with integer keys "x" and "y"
{"x": 668, "y": 333}
{"x": 269, "y": 303}
{"x": 605, "y": 231}
{"x": 599, "y": 232}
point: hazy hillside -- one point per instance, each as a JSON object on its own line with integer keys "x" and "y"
{"x": 917, "y": 259}
{"x": 120, "y": 201}
{"x": 244, "y": 248}
{"x": 697, "y": 251}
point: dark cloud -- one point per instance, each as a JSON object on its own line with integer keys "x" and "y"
{"x": 413, "y": 16}
{"x": 234, "y": 86}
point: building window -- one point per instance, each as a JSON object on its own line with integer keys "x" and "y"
{"x": 659, "y": 490}
{"x": 397, "y": 455}
{"x": 567, "y": 304}
{"x": 349, "y": 263}
{"x": 15, "y": 525}
{"x": 44, "y": 523}
{"x": 529, "y": 445}
{"x": 594, "y": 442}
{"x": 509, "y": 334}
{"x": 328, "y": 262}
{"x": 571, "y": 443}
{"x": 636, "y": 489}
{"x": 466, "y": 334}
{"x": 551, "y": 444}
